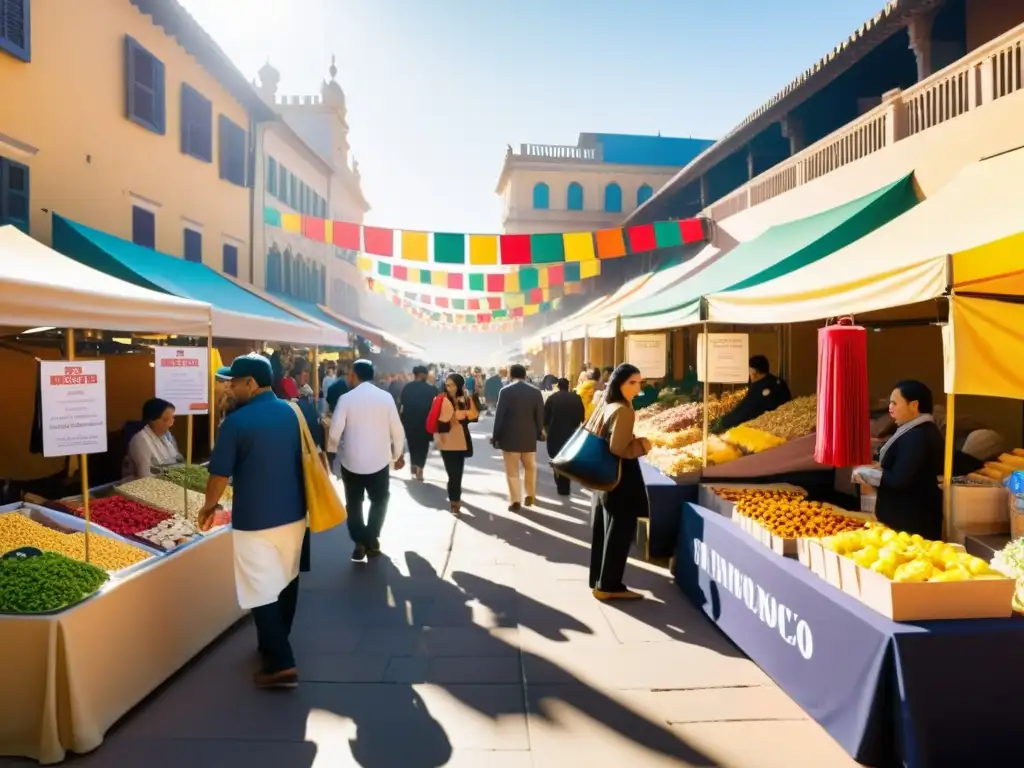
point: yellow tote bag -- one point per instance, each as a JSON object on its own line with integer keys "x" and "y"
{"x": 324, "y": 506}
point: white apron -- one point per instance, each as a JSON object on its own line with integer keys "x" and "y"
{"x": 266, "y": 562}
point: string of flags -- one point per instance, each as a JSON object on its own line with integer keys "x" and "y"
{"x": 523, "y": 280}
{"x": 492, "y": 250}
{"x": 547, "y": 302}
{"x": 473, "y": 303}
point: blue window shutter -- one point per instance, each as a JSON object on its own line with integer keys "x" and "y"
{"x": 129, "y": 78}
{"x": 222, "y": 146}
{"x": 159, "y": 100}
{"x": 541, "y": 196}
{"x": 230, "y": 260}
{"x": 574, "y": 197}
{"x": 613, "y": 198}
{"x": 643, "y": 194}
{"x": 15, "y": 29}
{"x": 14, "y": 195}
{"x": 143, "y": 227}
{"x": 272, "y": 176}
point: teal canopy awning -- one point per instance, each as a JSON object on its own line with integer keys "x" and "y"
{"x": 779, "y": 251}
{"x": 312, "y": 311}
{"x": 237, "y": 313}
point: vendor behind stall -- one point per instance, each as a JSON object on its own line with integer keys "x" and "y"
{"x": 154, "y": 445}
{"x": 765, "y": 393}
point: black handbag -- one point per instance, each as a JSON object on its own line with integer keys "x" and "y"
{"x": 587, "y": 458}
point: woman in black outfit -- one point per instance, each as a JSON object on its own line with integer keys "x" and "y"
{"x": 563, "y": 414}
{"x": 614, "y": 513}
{"x": 909, "y": 496}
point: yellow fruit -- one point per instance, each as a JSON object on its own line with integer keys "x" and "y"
{"x": 885, "y": 567}
{"x": 953, "y": 574}
{"x": 977, "y": 566}
{"x": 914, "y": 571}
{"x": 866, "y": 557}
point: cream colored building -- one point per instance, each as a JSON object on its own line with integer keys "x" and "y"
{"x": 595, "y": 184}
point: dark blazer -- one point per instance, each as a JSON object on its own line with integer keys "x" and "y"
{"x": 519, "y": 418}
{"x": 909, "y": 497}
{"x": 563, "y": 414}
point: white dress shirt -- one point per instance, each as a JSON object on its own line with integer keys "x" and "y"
{"x": 367, "y": 430}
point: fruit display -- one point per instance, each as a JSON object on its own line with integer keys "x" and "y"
{"x": 678, "y": 461}
{"x": 192, "y": 477}
{"x": 169, "y": 534}
{"x": 161, "y": 494}
{"x": 17, "y": 530}
{"x": 680, "y": 417}
{"x": 122, "y": 516}
{"x": 789, "y": 515}
{"x": 903, "y": 557}
{"x": 1009, "y": 561}
{"x": 797, "y": 418}
{"x": 679, "y": 439}
{"x": 752, "y": 440}
{"x": 47, "y": 582}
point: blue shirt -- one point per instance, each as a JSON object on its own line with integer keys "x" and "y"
{"x": 259, "y": 445}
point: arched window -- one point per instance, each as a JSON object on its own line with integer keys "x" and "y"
{"x": 288, "y": 282}
{"x": 574, "y": 197}
{"x": 541, "y": 196}
{"x": 613, "y": 198}
{"x": 273, "y": 269}
{"x": 643, "y": 194}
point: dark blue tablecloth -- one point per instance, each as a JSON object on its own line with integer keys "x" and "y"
{"x": 919, "y": 695}
{"x": 666, "y": 497}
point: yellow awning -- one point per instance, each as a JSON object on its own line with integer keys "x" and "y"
{"x": 983, "y": 347}
{"x": 906, "y": 261}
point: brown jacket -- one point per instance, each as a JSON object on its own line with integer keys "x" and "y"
{"x": 617, "y": 421}
{"x": 455, "y": 438}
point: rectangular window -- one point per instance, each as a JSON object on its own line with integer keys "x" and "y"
{"x": 143, "y": 227}
{"x": 193, "y": 246}
{"x": 303, "y": 198}
{"x": 231, "y": 138}
{"x": 196, "y": 124}
{"x": 293, "y": 191}
{"x": 282, "y": 187}
{"x": 15, "y": 31}
{"x": 144, "y": 86}
{"x": 272, "y": 176}
{"x": 230, "y": 260}
{"x": 14, "y": 200}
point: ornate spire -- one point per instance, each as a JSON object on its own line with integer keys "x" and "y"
{"x": 269, "y": 80}
{"x": 333, "y": 71}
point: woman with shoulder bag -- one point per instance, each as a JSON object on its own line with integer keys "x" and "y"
{"x": 452, "y": 436}
{"x": 614, "y": 513}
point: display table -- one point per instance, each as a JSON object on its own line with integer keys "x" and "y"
{"x": 67, "y": 678}
{"x": 908, "y": 694}
{"x": 666, "y": 497}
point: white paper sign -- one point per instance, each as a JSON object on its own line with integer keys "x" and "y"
{"x": 182, "y": 378}
{"x": 74, "y": 400}
{"x": 648, "y": 352}
{"x": 728, "y": 358}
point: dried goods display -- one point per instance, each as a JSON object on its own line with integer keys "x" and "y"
{"x": 46, "y": 582}
{"x": 678, "y": 461}
{"x": 680, "y": 439}
{"x": 1009, "y": 561}
{"x": 169, "y": 534}
{"x": 122, "y": 516}
{"x": 164, "y": 495}
{"x": 752, "y": 440}
{"x": 900, "y": 556}
{"x": 193, "y": 477}
{"x": 797, "y": 418}
{"x": 789, "y": 515}
{"x": 18, "y": 531}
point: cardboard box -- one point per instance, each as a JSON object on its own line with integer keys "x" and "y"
{"x": 803, "y": 551}
{"x": 849, "y": 577}
{"x": 974, "y": 505}
{"x": 816, "y": 553}
{"x": 707, "y": 497}
{"x": 784, "y": 547}
{"x": 906, "y": 601}
{"x": 830, "y": 567}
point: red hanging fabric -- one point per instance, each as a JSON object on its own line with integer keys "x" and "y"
{"x": 844, "y": 419}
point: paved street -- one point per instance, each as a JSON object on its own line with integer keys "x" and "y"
{"x": 476, "y": 643}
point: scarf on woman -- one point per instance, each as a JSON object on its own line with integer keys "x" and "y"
{"x": 924, "y": 418}
{"x": 163, "y": 449}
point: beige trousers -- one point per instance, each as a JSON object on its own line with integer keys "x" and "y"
{"x": 515, "y": 485}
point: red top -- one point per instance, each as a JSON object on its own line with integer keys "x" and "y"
{"x": 289, "y": 389}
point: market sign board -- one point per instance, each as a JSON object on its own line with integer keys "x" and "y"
{"x": 74, "y": 404}
{"x": 182, "y": 378}
{"x": 728, "y": 358}
{"x": 648, "y": 352}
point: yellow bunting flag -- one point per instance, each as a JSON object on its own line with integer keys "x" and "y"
{"x": 531, "y": 309}
{"x": 328, "y": 231}
{"x": 291, "y": 222}
{"x": 590, "y": 269}
{"x": 545, "y": 294}
{"x": 511, "y": 282}
{"x": 483, "y": 249}
{"x": 413, "y": 275}
{"x": 415, "y": 246}
{"x": 513, "y": 300}
{"x": 579, "y": 246}
{"x": 365, "y": 263}
{"x": 439, "y": 278}
{"x": 543, "y": 278}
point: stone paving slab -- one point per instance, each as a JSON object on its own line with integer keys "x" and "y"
{"x": 475, "y": 643}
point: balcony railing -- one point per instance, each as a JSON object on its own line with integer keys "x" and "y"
{"x": 558, "y": 152}
{"x": 987, "y": 74}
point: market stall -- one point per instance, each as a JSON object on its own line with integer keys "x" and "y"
{"x": 96, "y": 615}
{"x": 889, "y": 692}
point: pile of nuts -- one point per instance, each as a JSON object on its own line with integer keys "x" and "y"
{"x": 17, "y": 531}
{"x": 788, "y": 514}
{"x": 167, "y": 496}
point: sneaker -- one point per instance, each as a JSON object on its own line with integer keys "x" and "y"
{"x": 373, "y": 548}
{"x": 530, "y": 501}
{"x": 286, "y": 678}
{"x": 514, "y": 506}
{"x": 359, "y": 553}
{"x": 622, "y": 594}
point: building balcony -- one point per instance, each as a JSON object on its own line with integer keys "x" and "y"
{"x": 556, "y": 152}
{"x": 990, "y": 73}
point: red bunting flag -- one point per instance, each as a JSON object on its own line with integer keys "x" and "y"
{"x": 473, "y": 304}
{"x": 515, "y": 249}
{"x": 314, "y": 229}
{"x": 556, "y": 275}
{"x": 455, "y": 281}
{"x": 496, "y": 283}
{"x": 535, "y": 295}
{"x": 493, "y": 302}
{"x": 400, "y": 273}
{"x": 641, "y": 238}
{"x": 347, "y": 236}
{"x": 441, "y": 301}
{"x": 379, "y": 241}
{"x": 692, "y": 230}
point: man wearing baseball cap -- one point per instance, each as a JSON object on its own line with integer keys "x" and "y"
{"x": 260, "y": 446}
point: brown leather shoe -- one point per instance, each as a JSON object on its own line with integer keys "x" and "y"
{"x": 286, "y": 678}
{"x": 625, "y": 594}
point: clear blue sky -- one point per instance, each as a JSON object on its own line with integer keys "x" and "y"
{"x": 437, "y": 89}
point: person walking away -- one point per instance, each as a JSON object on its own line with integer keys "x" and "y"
{"x": 518, "y": 425}
{"x": 563, "y": 414}
{"x": 614, "y": 513}
{"x": 416, "y": 399}
{"x": 453, "y": 439}
{"x": 330, "y": 376}
{"x": 492, "y": 387}
{"x": 260, "y": 446}
{"x": 368, "y": 431}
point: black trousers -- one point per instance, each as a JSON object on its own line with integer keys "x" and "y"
{"x": 274, "y": 627}
{"x": 454, "y": 465}
{"x": 419, "y": 446}
{"x": 613, "y": 517}
{"x": 357, "y": 488}
{"x": 562, "y": 484}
